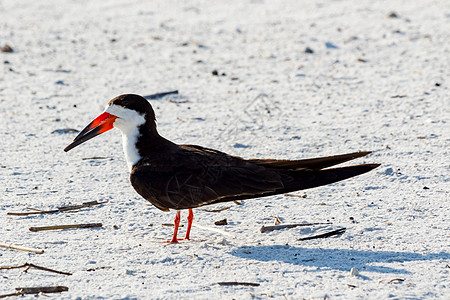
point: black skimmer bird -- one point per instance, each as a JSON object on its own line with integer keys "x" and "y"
{"x": 178, "y": 177}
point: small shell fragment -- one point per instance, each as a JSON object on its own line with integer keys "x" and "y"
{"x": 354, "y": 272}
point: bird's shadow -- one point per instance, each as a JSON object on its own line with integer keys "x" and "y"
{"x": 337, "y": 259}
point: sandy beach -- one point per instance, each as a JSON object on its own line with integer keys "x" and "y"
{"x": 256, "y": 79}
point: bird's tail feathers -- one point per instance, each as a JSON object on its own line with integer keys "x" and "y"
{"x": 305, "y": 180}
{"x": 310, "y": 163}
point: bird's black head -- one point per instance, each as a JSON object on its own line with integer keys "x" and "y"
{"x": 136, "y": 103}
{"x": 132, "y": 114}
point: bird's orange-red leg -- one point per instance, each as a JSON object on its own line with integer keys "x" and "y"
{"x": 175, "y": 231}
{"x": 190, "y": 218}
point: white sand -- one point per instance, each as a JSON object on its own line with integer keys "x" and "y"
{"x": 376, "y": 91}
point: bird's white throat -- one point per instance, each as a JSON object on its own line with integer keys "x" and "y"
{"x": 128, "y": 121}
{"x": 129, "y": 148}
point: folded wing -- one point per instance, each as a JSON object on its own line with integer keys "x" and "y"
{"x": 195, "y": 176}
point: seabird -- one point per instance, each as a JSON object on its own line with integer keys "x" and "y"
{"x": 178, "y": 177}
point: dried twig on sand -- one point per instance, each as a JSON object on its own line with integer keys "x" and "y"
{"x": 94, "y": 158}
{"x": 238, "y": 283}
{"x": 42, "y": 289}
{"x": 80, "y": 206}
{"x": 37, "y": 290}
{"x": 396, "y": 279}
{"x": 10, "y": 295}
{"x": 171, "y": 224}
{"x": 296, "y": 195}
{"x": 324, "y": 235}
{"x": 28, "y": 265}
{"x": 160, "y": 95}
{"x": 59, "y": 209}
{"x": 20, "y": 248}
{"x": 56, "y": 227}
{"x": 265, "y": 228}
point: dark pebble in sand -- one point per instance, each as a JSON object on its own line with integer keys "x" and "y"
{"x": 393, "y": 15}
{"x": 216, "y": 73}
{"x": 7, "y": 48}
{"x": 309, "y": 50}
{"x": 221, "y": 222}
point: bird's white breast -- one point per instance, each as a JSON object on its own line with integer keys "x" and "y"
{"x": 129, "y": 148}
{"x": 128, "y": 121}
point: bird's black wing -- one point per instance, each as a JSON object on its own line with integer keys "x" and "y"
{"x": 309, "y": 163}
{"x": 194, "y": 176}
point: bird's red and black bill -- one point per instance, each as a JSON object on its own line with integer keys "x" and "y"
{"x": 101, "y": 124}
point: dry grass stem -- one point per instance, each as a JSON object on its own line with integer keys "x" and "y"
{"x": 266, "y": 228}
{"x": 28, "y": 266}
{"x": 21, "y": 248}
{"x": 73, "y": 226}
{"x": 70, "y": 208}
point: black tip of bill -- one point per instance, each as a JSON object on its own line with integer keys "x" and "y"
{"x": 84, "y": 136}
